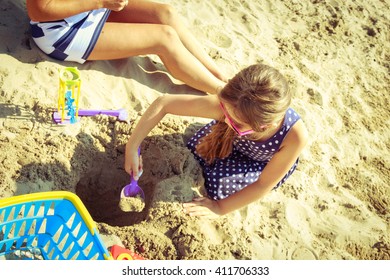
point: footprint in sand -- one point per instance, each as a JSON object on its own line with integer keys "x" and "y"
{"x": 303, "y": 253}
{"x": 220, "y": 39}
{"x": 297, "y": 217}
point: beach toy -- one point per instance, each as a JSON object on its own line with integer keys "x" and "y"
{"x": 69, "y": 94}
{"x": 121, "y": 114}
{"x": 132, "y": 189}
{"x": 55, "y": 225}
{"x": 120, "y": 253}
{"x": 132, "y": 197}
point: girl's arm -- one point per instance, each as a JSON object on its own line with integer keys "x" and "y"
{"x": 275, "y": 170}
{"x": 51, "y": 10}
{"x": 182, "y": 105}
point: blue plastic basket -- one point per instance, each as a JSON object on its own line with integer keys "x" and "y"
{"x": 57, "y": 223}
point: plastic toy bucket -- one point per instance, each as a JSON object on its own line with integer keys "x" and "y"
{"x": 57, "y": 223}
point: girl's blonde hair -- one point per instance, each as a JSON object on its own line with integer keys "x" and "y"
{"x": 259, "y": 95}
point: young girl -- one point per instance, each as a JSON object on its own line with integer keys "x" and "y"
{"x": 251, "y": 147}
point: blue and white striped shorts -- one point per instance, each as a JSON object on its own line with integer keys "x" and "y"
{"x": 70, "y": 39}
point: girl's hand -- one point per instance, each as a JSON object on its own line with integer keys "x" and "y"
{"x": 114, "y": 5}
{"x": 202, "y": 207}
{"x": 133, "y": 162}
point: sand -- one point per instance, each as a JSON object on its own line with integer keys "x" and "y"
{"x": 132, "y": 204}
{"x": 335, "y": 206}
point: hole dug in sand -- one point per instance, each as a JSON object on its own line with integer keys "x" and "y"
{"x": 100, "y": 189}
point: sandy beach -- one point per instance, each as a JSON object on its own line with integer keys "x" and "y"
{"x": 336, "y": 55}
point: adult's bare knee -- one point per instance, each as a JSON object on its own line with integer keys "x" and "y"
{"x": 169, "y": 40}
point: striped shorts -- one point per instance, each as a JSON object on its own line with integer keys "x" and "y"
{"x": 70, "y": 39}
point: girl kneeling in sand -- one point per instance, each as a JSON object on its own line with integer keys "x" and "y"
{"x": 251, "y": 147}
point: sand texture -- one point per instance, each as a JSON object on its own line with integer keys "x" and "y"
{"x": 132, "y": 204}
{"x": 336, "y": 54}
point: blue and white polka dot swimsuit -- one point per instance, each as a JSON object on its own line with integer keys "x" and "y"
{"x": 246, "y": 162}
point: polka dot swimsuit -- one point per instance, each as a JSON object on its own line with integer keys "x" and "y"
{"x": 246, "y": 162}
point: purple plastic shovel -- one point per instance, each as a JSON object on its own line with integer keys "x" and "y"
{"x": 121, "y": 114}
{"x": 132, "y": 189}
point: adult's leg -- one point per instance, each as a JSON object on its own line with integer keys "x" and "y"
{"x": 158, "y": 13}
{"x": 120, "y": 40}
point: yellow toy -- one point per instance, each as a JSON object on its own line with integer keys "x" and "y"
{"x": 69, "y": 94}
